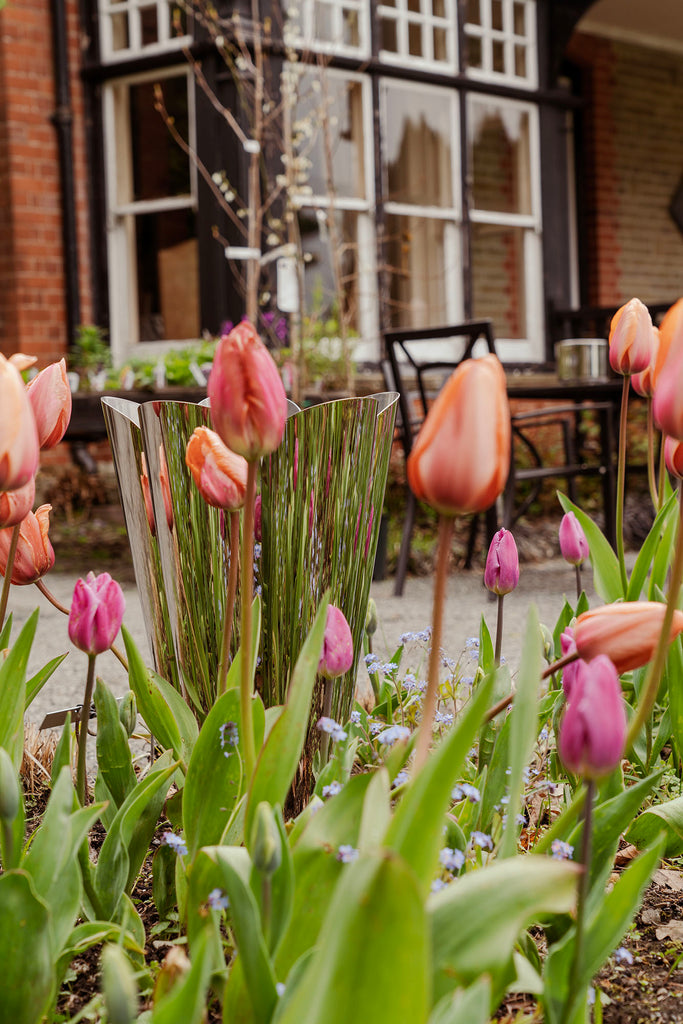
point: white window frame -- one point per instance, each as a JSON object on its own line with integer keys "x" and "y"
{"x": 531, "y": 348}
{"x": 487, "y": 35}
{"x": 451, "y": 214}
{"x": 368, "y": 309}
{"x": 123, "y": 292}
{"x": 403, "y": 18}
{"x": 304, "y": 38}
{"x": 167, "y": 40}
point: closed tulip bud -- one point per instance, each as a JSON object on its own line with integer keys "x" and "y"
{"x": 670, "y": 336}
{"x": 461, "y": 458}
{"x": 128, "y": 713}
{"x": 19, "y": 448}
{"x": 573, "y": 543}
{"x": 266, "y": 845}
{"x": 673, "y": 456}
{"x": 337, "y": 652}
{"x": 548, "y": 643}
{"x": 34, "y": 555}
{"x": 592, "y": 732}
{"x": 501, "y": 575}
{"x": 16, "y": 505}
{"x": 667, "y": 404}
{"x": 96, "y": 613}
{"x": 626, "y": 632}
{"x": 371, "y": 617}
{"x": 644, "y": 383}
{"x": 248, "y": 401}
{"x": 50, "y": 397}
{"x": 220, "y": 474}
{"x": 630, "y": 338}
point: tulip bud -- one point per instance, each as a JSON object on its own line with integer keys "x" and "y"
{"x": 461, "y": 457}
{"x": 644, "y": 383}
{"x": 10, "y": 794}
{"x": 248, "y": 401}
{"x": 501, "y": 575}
{"x": 19, "y": 449}
{"x": 626, "y": 632}
{"x": 266, "y": 846}
{"x": 667, "y": 404}
{"x": 128, "y": 713}
{"x": 96, "y": 613}
{"x": 50, "y": 397}
{"x": 16, "y": 505}
{"x": 34, "y": 555}
{"x": 630, "y": 338}
{"x": 570, "y": 671}
{"x": 548, "y": 643}
{"x": 573, "y": 543}
{"x": 220, "y": 474}
{"x": 670, "y": 336}
{"x": 337, "y": 652}
{"x": 673, "y": 456}
{"x": 592, "y": 733}
{"x": 371, "y": 617}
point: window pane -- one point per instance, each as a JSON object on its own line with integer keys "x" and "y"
{"x": 439, "y": 8}
{"x": 321, "y": 301}
{"x": 148, "y": 26}
{"x": 498, "y": 52}
{"x": 389, "y": 35}
{"x": 497, "y": 15}
{"x": 473, "y": 16}
{"x": 520, "y": 61}
{"x": 415, "y": 40}
{"x": 474, "y": 51}
{"x": 119, "y": 32}
{"x": 440, "y": 44}
{"x": 500, "y": 158}
{"x": 345, "y": 124}
{"x": 498, "y": 285}
{"x": 167, "y": 275}
{"x": 419, "y": 148}
{"x": 160, "y": 168}
{"x": 518, "y": 20}
{"x": 420, "y": 272}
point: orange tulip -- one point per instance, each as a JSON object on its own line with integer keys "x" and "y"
{"x": 626, "y": 632}
{"x": 19, "y": 449}
{"x": 670, "y": 335}
{"x": 220, "y": 475}
{"x": 461, "y": 458}
{"x": 630, "y": 338}
{"x": 16, "y": 505}
{"x": 34, "y": 556}
{"x": 50, "y": 397}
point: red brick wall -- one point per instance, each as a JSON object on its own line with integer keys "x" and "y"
{"x": 634, "y": 160}
{"x": 32, "y": 297}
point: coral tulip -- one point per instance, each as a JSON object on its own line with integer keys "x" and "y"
{"x": 220, "y": 474}
{"x": 501, "y": 575}
{"x": 16, "y": 505}
{"x": 461, "y": 458}
{"x": 592, "y": 732}
{"x": 644, "y": 383}
{"x": 19, "y": 448}
{"x": 337, "y": 652}
{"x": 96, "y": 613}
{"x": 670, "y": 336}
{"x": 248, "y": 401}
{"x": 630, "y": 338}
{"x": 34, "y": 555}
{"x": 673, "y": 456}
{"x": 573, "y": 543}
{"x": 626, "y": 632}
{"x": 50, "y": 397}
{"x": 667, "y": 404}
{"x": 22, "y": 361}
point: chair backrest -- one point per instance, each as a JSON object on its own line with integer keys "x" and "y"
{"x": 412, "y": 349}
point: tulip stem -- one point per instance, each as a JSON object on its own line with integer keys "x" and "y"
{"x": 649, "y": 692}
{"x": 621, "y": 481}
{"x": 82, "y": 734}
{"x": 662, "y": 472}
{"x": 8, "y": 572}
{"x": 506, "y": 701}
{"x": 579, "y": 588}
{"x": 424, "y": 736}
{"x": 327, "y": 709}
{"x": 651, "y": 479}
{"x": 583, "y": 890}
{"x": 246, "y": 680}
{"x": 49, "y": 596}
{"x": 499, "y": 630}
{"x": 229, "y": 602}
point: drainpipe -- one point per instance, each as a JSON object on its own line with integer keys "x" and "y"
{"x": 62, "y": 119}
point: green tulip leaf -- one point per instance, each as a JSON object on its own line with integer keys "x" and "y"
{"x": 13, "y": 690}
{"x": 26, "y": 951}
{"x": 35, "y": 684}
{"x": 666, "y": 818}
{"x": 606, "y": 573}
{"x": 186, "y": 1001}
{"x": 643, "y": 562}
{"x": 661, "y": 562}
{"x": 464, "y": 1006}
{"x": 114, "y": 760}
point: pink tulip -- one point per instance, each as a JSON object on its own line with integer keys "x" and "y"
{"x": 626, "y": 632}
{"x": 19, "y": 448}
{"x": 630, "y": 338}
{"x": 570, "y": 671}
{"x": 96, "y": 613}
{"x": 248, "y": 401}
{"x": 573, "y": 543}
{"x": 673, "y": 456}
{"x": 34, "y": 555}
{"x": 667, "y": 404}
{"x": 16, "y": 505}
{"x": 643, "y": 383}
{"x": 220, "y": 474}
{"x": 337, "y": 652}
{"x": 592, "y": 732}
{"x": 501, "y": 575}
{"x": 50, "y": 397}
